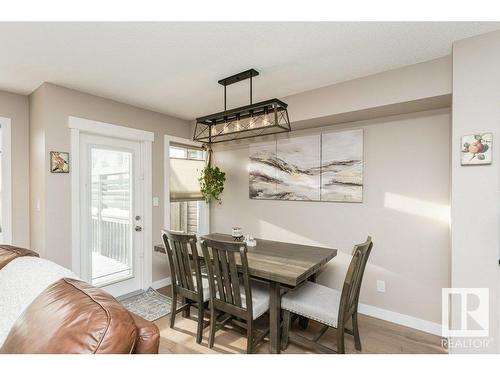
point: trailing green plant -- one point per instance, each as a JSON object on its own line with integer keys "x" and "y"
{"x": 211, "y": 181}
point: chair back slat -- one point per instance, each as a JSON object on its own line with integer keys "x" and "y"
{"x": 173, "y": 261}
{"x": 187, "y": 265}
{"x": 235, "y": 280}
{"x": 180, "y": 264}
{"x": 217, "y": 273}
{"x": 184, "y": 261}
{"x": 352, "y": 283}
{"x": 246, "y": 279}
{"x": 225, "y": 275}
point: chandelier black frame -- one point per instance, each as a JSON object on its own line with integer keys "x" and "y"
{"x": 253, "y": 120}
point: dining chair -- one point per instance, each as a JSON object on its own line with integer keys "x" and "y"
{"x": 328, "y": 306}
{"x": 186, "y": 274}
{"x": 234, "y": 298}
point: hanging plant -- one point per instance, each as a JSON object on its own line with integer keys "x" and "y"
{"x": 211, "y": 180}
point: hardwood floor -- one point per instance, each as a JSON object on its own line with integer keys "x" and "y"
{"x": 377, "y": 336}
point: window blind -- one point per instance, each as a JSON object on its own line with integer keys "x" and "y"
{"x": 184, "y": 174}
{"x": 190, "y": 147}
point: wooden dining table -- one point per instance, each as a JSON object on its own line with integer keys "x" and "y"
{"x": 282, "y": 265}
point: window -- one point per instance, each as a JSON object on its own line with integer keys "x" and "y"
{"x": 185, "y": 152}
{"x": 178, "y": 152}
{"x": 196, "y": 154}
{"x": 187, "y": 206}
{"x": 184, "y": 216}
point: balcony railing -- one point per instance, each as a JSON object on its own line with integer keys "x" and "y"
{"x": 111, "y": 238}
{"x": 111, "y": 231}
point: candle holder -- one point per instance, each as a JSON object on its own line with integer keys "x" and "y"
{"x": 237, "y": 233}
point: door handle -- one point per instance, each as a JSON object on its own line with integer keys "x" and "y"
{"x": 138, "y": 228}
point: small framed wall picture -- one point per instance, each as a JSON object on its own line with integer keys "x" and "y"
{"x": 59, "y": 162}
{"x": 476, "y": 149}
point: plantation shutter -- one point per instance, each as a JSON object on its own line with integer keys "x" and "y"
{"x": 184, "y": 174}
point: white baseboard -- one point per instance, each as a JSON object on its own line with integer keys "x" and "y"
{"x": 161, "y": 283}
{"x": 401, "y": 319}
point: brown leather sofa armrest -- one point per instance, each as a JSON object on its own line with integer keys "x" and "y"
{"x": 72, "y": 317}
{"x": 8, "y": 253}
{"x": 148, "y": 336}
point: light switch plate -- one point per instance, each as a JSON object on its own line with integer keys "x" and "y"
{"x": 156, "y": 201}
{"x": 381, "y": 286}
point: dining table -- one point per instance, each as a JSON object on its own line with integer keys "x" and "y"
{"x": 284, "y": 266}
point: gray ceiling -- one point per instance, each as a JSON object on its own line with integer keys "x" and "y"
{"x": 173, "y": 68}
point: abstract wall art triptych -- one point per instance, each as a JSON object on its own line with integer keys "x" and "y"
{"x": 324, "y": 167}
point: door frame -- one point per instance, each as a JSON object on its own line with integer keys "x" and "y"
{"x": 205, "y": 214}
{"x": 6, "y": 171}
{"x": 79, "y": 125}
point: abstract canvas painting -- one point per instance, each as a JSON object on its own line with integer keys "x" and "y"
{"x": 342, "y": 166}
{"x": 322, "y": 167}
{"x": 262, "y": 172}
{"x": 298, "y": 168}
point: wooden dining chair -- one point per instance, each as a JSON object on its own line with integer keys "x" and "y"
{"x": 328, "y": 306}
{"x": 233, "y": 297}
{"x": 186, "y": 274}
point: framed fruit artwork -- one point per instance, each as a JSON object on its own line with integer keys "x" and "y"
{"x": 476, "y": 149}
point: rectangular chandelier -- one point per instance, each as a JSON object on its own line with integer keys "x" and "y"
{"x": 253, "y": 120}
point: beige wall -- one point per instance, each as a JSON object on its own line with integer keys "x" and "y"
{"x": 51, "y": 106}
{"x": 475, "y": 189}
{"x": 16, "y": 108}
{"x": 406, "y": 198}
{"x": 409, "y": 83}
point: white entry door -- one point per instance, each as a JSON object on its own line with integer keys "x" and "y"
{"x": 112, "y": 200}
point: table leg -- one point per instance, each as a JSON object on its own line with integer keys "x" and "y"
{"x": 274, "y": 317}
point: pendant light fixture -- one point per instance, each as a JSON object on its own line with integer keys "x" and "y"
{"x": 253, "y": 120}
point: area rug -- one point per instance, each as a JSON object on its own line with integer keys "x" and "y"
{"x": 150, "y": 304}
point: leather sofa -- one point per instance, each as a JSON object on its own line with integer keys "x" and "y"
{"x": 9, "y": 253}
{"x": 71, "y": 316}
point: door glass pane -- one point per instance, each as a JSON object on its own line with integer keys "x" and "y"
{"x": 111, "y": 229}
